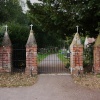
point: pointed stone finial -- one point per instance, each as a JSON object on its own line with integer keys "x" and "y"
{"x": 6, "y": 27}
{"x": 31, "y": 27}
{"x": 97, "y": 42}
{"x": 77, "y": 28}
{"x": 76, "y": 40}
{"x": 86, "y": 42}
{"x": 6, "y": 40}
{"x": 31, "y": 40}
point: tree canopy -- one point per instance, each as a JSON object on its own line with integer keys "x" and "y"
{"x": 53, "y": 20}
{"x": 60, "y": 17}
{"x": 11, "y": 13}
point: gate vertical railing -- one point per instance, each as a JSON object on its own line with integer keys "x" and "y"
{"x": 88, "y": 58}
{"x": 19, "y": 58}
{"x": 52, "y": 60}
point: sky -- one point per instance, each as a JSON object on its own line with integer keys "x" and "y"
{"x": 32, "y": 1}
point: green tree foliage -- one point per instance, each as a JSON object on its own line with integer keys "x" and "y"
{"x": 18, "y": 33}
{"x": 11, "y": 13}
{"x": 60, "y": 17}
{"x": 9, "y": 10}
{"x": 48, "y": 21}
{"x": 89, "y": 16}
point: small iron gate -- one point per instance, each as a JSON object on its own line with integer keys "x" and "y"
{"x": 88, "y": 58}
{"x": 53, "y": 60}
{"x": 19, "y": 59}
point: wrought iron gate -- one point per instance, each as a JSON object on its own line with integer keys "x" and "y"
{"x": 88, "y": 58}
{"x": 19, "y": 59}
{"x": 53, "y": 60}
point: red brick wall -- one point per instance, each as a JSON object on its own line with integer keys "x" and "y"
{"x": 97, "y": 59}
{"x": 31, "y": 60}
{"x": 5, "y": 59}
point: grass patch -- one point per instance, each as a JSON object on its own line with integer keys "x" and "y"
{"x": 42, "y": 56}
{"x": 89, "y": 80}
{"x": 16, "y": 80}
{"x": 64, "y": 59}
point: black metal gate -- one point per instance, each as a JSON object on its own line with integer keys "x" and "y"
{"x": 88, "y": 58}
{"x": 53, "y": 60}
{"x": 19, "y": 59}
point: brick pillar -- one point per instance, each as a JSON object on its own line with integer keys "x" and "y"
{"x": 97, "y": 55}
{"x": 76, "y": 57}
{"x": 31, "y": 55}
{"x": 6, "y": 54}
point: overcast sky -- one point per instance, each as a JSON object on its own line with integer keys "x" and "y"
{"x": 32, "y": 1}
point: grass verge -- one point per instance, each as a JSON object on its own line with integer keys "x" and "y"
{"x": 63, "y": 58}
{"x": 89, "y": 80}
{"x": 42, "y": 56}
{"x": 16, "y": 80}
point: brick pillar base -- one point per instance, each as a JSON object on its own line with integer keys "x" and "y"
{"x": 31, "y": 60}
{"x": 97, "y": 55}
{"x": 5, "y": 59}
{"x": 97, "y": 59}
{"x": 76, "y": 60}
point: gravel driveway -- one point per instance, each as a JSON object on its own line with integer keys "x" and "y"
{"x": 50, "y": 87}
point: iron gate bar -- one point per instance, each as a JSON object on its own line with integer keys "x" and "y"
{"x": 51, "y": 64}
{"x": 19, "y": 59}
{"x": 88, "y": 58}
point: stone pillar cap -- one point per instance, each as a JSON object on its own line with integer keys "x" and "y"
{"x": 76, "y": 41}
{"x": 31, "y": 40}
{"x": 6, "y": 40}
{"x": 97, "y": 42}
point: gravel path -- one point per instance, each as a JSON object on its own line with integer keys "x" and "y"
{"x": 50, "y": 87}
{"x": 51, "y": 64}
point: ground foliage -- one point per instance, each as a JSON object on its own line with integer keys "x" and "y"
{"x": 16, "y": 80}
{"x": 88, "y": 80}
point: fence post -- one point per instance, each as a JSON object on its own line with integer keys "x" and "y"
{"x": 6, "y": 54}
{"x": 31, "y": 55}
{"x": 97, "y": 55}
{"x": 76, "y": 56}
